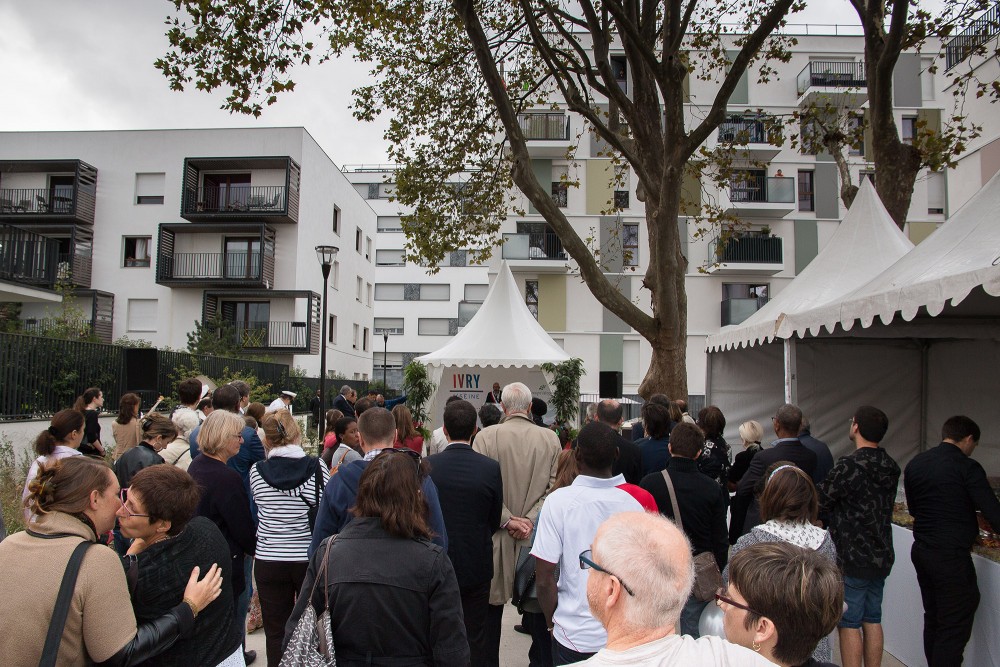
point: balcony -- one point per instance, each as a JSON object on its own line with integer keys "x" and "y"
{"x": 972, "y": 39}
{"x": 97, "y": 321}
{"x": 754, "y": 194}
{"x": 751, "y": 134}
{"x": 737, "y": 310}
{"x": 298, "y": 334}
{"x": 746, "y": 254}
{"x": 547, "y": 134}
{"x": 215, "y": 255}
{"x": 837, "y": 82}
{"x": 541, "y": 252}
{"x": 241, "y": 189}
{"x": 29, "y": 265}
{"x": 75, "y": 249}
{"x": 47, "y": 191}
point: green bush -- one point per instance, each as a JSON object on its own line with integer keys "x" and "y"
{"x": 12, "y": 476}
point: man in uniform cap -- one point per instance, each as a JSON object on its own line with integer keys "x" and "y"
{"x": 283, "y": 402}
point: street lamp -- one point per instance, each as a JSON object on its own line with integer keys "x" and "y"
{"x": 325, "y": 254}
{"x": 385, "y": 359}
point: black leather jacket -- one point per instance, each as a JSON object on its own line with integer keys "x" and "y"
{"x": 154, "y": 637}
{"x": 134, "y": 460}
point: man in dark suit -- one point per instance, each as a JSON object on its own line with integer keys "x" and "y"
{"x": 470, "y": 489}
{"x": 345, "y": 401}
{"x": 629, "y": 462}
{"x": 494, "y": 395}
{"x": 824, "y": 458}
{"x": 787, "y": 421}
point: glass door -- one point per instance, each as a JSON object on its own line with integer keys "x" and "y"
{"x": 242, "y": 259}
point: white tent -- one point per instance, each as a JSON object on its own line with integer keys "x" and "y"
{"x": 939, "y": 357}
{"x": 503, "y": 342}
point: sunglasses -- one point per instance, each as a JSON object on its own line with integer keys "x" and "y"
{"x": 408, "y": 452}
{"x": 587, "y": 562}
{"x": 720, "y": 597}
{"x": 123, "y": 494}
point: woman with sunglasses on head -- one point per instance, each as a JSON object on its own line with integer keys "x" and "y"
{"x": 74, "y": 500}
{"x": 789, "y": 506}
{"x": 286, "y": 487}
{"x": 781, "y": 601}
{"x": 383, "y": 566}
{"x": 157, "y": 513}
{"x": 157, "y": 432}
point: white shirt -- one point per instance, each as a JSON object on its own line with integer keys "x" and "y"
{"x": 278, "y": 404}
{"x": 566, "y": 526}
{"x": 437, "y": 444}
{"x": 680, "y": 651}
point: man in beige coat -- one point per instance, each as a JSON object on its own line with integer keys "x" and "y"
{"x": 527, "y": 455}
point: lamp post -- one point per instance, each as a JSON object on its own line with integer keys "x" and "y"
{"x": 385, "y": 359}
{"x": 325, "y": 254}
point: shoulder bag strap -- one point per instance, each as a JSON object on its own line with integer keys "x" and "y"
{"x": 319, "y": 480}
{"x": 322, "y": 573}
{"x": 673, "y": 501}
{"x": 54, "y": 636}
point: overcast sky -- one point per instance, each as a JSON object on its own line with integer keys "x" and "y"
{"x": 72, "y": 65}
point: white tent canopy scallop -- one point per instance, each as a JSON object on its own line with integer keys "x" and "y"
{"x": 866, "y": 242}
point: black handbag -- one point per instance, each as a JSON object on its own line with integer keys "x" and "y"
{"x": 524, "y": 595}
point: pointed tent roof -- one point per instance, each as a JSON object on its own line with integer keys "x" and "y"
{"x": 866, "y": 242}
{"x": 502, "y": 333}
{"x": 962, "y": 254}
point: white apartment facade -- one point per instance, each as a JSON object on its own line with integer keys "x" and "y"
{"x": 158, "y": 229}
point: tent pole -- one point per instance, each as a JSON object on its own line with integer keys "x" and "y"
{"x": 708, "y": 379}
{"x": 924, "y": 354}
{"x": 791, "y": 374}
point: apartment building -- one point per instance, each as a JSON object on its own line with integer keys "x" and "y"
{"x": 156, "y": 230}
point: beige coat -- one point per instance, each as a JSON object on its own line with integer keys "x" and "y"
{"x": 100, "y": 621}
{"x": 527, "y": 455}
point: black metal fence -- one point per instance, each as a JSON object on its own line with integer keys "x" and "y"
{"x": 973, "y": 38}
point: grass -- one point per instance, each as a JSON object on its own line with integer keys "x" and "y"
{"x": 12, "y": 475}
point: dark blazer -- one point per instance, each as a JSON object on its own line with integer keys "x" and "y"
{"x": 824, "y": 459}
{"x": 345, "y": 406}
{"x": 470, "y": 490}
{"x": 629, "y": 461}
{"x": 791, "y": 450}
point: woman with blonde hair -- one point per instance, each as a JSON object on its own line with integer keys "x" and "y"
{"x": 751, "y": 433}
{"x": 75, "y": 500}
{"x": 125, "y": 429}
{"x": 407, "y": 434}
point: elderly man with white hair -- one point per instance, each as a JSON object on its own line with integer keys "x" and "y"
{"x": 640, "y": 576}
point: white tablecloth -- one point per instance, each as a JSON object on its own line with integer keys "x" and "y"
{"x": 903, "y": 610}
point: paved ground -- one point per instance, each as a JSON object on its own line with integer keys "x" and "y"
{"x": 514, "y": 646}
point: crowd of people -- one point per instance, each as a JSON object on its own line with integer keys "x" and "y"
{"x": 665, "y": 548}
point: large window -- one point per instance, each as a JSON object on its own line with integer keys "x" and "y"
{"x": 226, "y": 192}
{"x": 389, "y": 291}
{"x": 807, "y": 200}
{"x": 908, "y": 129}
{"x": 433, "y": 326}
{"x": 531, "y": 296}
{"x": 476, "y": 293}
{"x": 242, "y": 258}
{"x": 389, "y": 224}
{"x": 389, "y": 325}
{"x": 435, "y": 292}
{"x": 141, "y": 315}
{"x": 389, "y": 258}
{"x": 630, "y": 245}
{"x": 135, "y": 250}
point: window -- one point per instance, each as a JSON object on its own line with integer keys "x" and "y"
{"x": 926, "y": 79}
{"x": 855, "y": 130}
{"x": 373, "y": 191}
{"x": 560, "y": 194}
{"x": 368, "y": 293}
{"x": 135, "y": 250}
{"x": 531, "y": 296}
{"x": 435, "y": 292}
{"x": 242, "y": 258}
{"x": 141, "y": 315}
{"x": 225, "y": 192}
{"x": 389, "y": 292}
{"x": 433, "y": 326}
{"x": 335, "y": 275}
{"x": 908, "y": 129}
{"x": 389, "y": 325}
{"x": 357, "y": 332}
{"x": 368, "y": 248}
{"x": 364, "y": 340}
{"x": 621, "y": 199}
{"x": 380, "y": 190}
{"x": 392, "y": 361}
{"x": 806, "y": 198}
{"x": 619, "y": 68}
{"x": 870, "y": 175}
{"x": 357, "y": 291}
{"x": 936, "y": 192}
{"x": 357, "y": 240}
{"x": 630, "y": 245}
{"x": 389, "y": 224}
{"x": 741, "y": 300}
{"x": 389, "y": 258}
{"x": 149, "y": 188}
{"x": 336, "y": 220}
{"x": 331, "y": 329}
{"x": 476, "y": 293}
{"x": 467, "y": 310}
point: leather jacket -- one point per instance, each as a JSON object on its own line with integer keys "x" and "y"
{"x": 154, "y": 637}
{"x": 139, "y": 457}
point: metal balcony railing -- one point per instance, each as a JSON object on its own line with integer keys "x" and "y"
{"x": 218, "y": 265}
{"x": 26, "y": 257}
{"x": 747, "y": 249}
{"x": 267, "y": 335}
{"x": 37, "y": 200}
{"x": 736, "y": 310}
{"x": 545, "y": 245}
{"x": 754, "y": 187}
{"x": 544, "y": 126}
{"x": 235, "y": 198}
{"x": 832, "y": 74}
{"x": 748, "y": 130}
{"x": 972, "y": 38}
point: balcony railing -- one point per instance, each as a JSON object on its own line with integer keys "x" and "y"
{"x": 749, "y": 130}
{"x": 545, "y": 245}
{"x": 235, "y": 199}
{"x": 544, "y": 126}
{"x": 735, "y": 311}
{"x": 972, "y": 38}
{"x": 267, "y": 335}
{"x": 832, "y": 74}
{"x": 754, "y": 187}
{"x": 33, "y": 201}
{"x": 214, "y": 265}
{"x": 747, "y": 249}
{"x": 29, "y": 258}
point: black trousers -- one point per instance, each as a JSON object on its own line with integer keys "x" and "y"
{"x": 475, "y": 609}
{"x": 278, "y": 584}
{"x": 950, "y": 593}
{"x": 494, "y": 619}
{"x": 540, "y": 653}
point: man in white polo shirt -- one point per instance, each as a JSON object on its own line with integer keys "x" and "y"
{"x": 566, "y": 527}
{"x": 283, "y": 402}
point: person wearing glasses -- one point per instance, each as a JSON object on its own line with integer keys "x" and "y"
{"x": 224, "y": 499}
{"x": 168, "y": 541}
{"x": 377, "y": 432}
{"x": 566, "y": 526}
{"x": 74, "y": 500}
{"x": 392, "y": 593}
{"x": 639, "y": 574}
{"x": 781, "y": 601}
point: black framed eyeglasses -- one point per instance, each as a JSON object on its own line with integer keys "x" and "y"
{"x": 720, "y": 597}
{"x": 123, "y": 494}
{"x": 587, "y": 562}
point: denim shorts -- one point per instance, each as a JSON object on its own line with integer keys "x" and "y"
{"x": 864, "y": 601}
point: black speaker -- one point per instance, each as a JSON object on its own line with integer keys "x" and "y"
{"x": 142, "y": 367}
{"x": 610, "y": 384}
